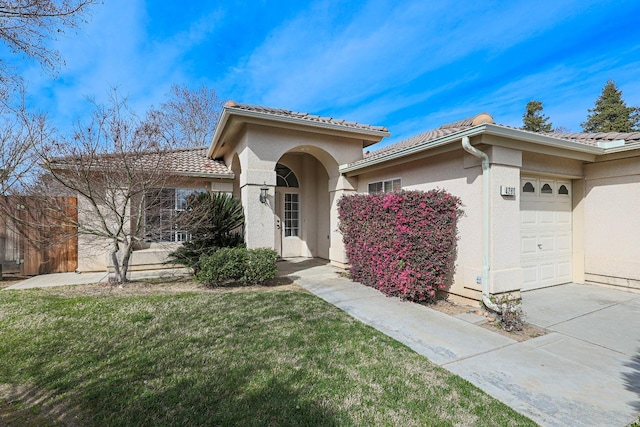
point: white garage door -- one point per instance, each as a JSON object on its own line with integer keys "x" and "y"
{"x": 545, "y": 209}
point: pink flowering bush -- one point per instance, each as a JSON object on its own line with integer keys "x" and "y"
{"x": 401, "y": 243}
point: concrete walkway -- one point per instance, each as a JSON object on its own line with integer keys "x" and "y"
{"x": 64, "y": 279}
{"x": 584, "y": 372}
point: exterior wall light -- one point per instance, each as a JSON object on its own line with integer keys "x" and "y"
{"x": 264, "y": 192}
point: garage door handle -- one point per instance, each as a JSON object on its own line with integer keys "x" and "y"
{"x": 539, "y": 245}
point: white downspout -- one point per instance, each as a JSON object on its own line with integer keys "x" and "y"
{"x": 486, "y": 223}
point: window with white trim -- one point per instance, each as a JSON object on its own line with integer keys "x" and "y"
{"x": 291, "y": 215}
{"x": 386, "y": 186}
{"x": 161, "y": 208}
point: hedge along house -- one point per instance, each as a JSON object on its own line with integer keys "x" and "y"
{"x": 540, "y": 209}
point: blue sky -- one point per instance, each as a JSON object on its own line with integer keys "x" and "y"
{"x": 409, "y": 65}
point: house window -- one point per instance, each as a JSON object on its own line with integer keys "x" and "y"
{"x": 161, "y": 208}
{"x": 385, "y": 186}
{"x": 285, "y": 177}
{"x": 291, "y": 215}
{"x": 528, "y": 188}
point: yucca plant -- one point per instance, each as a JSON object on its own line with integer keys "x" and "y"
{"x": 213, "y": 221}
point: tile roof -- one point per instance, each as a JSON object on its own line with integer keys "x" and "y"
{"x": 417, "y": 140}
{"x": 595, "y": 137}
{"x": 278, "y": 112}
{"x": 590, "y": 139}
{"x": 182, "y": 161}
{"x": 195, "y": 161}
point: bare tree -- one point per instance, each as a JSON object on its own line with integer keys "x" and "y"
{"x": 188, "y": 117}
{"x": 26, "y": 27}
{"x": 113, "y": 164}
{"x": 121, "y": 168}
{"x": 20, "y": 132}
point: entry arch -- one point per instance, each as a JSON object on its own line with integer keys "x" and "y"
{"x": 303, "y": 199}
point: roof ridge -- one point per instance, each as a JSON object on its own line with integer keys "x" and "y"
{"x": 305, "y": 116}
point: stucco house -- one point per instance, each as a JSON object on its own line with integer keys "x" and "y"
{"x": 540, "y": 209}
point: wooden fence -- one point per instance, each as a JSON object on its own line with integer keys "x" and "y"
{"x": 41, "y": 241}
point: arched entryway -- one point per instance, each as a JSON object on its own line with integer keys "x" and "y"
{"x": 302, "y": 207}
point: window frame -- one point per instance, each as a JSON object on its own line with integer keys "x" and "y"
{"x": 383, "y": 183}
{"x": 291, "y": 216}
{"x": 167, "y": 227}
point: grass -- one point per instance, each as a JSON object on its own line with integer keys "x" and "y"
{"x": 261, "y": 357}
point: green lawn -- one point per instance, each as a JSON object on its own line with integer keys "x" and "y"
{"x": 265, "y": 357}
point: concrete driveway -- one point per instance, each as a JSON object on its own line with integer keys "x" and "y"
{"x": 584, "y": 372}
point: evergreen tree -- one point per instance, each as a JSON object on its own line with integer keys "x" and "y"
{"x": 611, "y": 114}
{"x": 533, "y": 120}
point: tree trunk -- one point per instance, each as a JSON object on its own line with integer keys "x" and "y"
{"x": 125, "y": 259}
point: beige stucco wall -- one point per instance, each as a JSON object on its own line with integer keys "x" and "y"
{"x": 93, "y": 252}
{"x": 259, "y": 148}
{"x": 611, "y": 232}
{"x": 448, "y": 172}
{"x": 543, "y": 164}
{"x": 505, "y": 271}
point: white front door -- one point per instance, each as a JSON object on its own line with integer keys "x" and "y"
{"x": 288, "y": 222}
{"x": 545, "y": 209}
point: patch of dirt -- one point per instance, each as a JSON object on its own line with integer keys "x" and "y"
{"x": 167, "y": 286}
{"x": 452, "y": 309}
{"x": 10, "y": 279}
{"x": 26, "y": 406}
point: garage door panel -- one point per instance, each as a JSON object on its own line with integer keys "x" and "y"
{"x": 564, "y": 271}
{"x": 563, "y": 218}
{"x": 546, "y": 245}
{"x": 529, "y": 246}
{"x": 529, "y": 218}
{"x": 563, "y": 243}
{"x": 546, "y": 217}
{"x": 547, "y": 272}
{"x": 530, "y": 276}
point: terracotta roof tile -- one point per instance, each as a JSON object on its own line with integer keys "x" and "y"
{"x": 417, "y": 140}
{"x": 183, "y": 161}
{"x": 304, "y": 116}
{"x": 595, "y": 137}
{"x": 195, "y": 160}
{"x": 591, "y": 139}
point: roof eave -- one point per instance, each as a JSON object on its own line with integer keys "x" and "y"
{"x": 230, "y": 175}
{"x": 486, "y": 128}
{"x": 536, "y": 138}
{"x": 627, "y": 147}
{"x": 227, "y": 112}
{"x": 224, "y": 117}
{"x": 413, "y": 150}
{"x": 206, "y": 175}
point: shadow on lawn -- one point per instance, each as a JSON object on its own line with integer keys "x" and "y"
{"x": 115, "y": 389}
{"x": 217, "y": 403}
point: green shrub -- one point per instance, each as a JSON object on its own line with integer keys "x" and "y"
{"x": 260, "y": 265}
{"x": 247, "y": 266}
{"x": 213, "y": 221}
